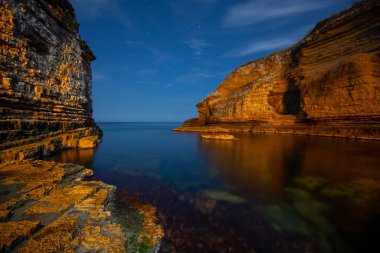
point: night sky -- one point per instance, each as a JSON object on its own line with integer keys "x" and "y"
{"x": 157, "y": 58}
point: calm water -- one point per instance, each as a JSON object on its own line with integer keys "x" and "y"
{"x": 263, "y": 193}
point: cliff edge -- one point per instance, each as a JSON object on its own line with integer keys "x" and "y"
{"x": 45, "y": 80}
{"x": 327, "y": 84}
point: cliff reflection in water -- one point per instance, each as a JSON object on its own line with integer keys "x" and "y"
{"x": 255, "y": 165}
{"x": 83, "y": 157}
{"x": 321, "y": 188}
{"x": 263, "y": 193}
{"x": 262, "y": 165}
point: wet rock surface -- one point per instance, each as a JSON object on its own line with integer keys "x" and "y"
{"x": 139, "y": 221}
{"x": 327, "y": 84}
{"x": 47, "y": 207}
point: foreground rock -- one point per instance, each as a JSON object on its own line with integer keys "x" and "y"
{"x": 327, "y": 84}
{"x": 47, "y": 207}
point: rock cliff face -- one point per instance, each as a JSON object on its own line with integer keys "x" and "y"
{"x": 327, "y": 84}
{"x": 45, "y": 80}
{"x": 45, "y": 105}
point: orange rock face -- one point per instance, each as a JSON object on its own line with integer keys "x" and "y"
{"x": 45, "y": 75}
{"x": 327, "y": 84}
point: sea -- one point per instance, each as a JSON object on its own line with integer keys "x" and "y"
{"x": 261, "y": 193}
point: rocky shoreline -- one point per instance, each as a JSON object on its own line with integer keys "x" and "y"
{"x": 368, "y": 133}
{"x": 52, "y": 207}
{"x": 38, "y": 147}
{"x": 48, "y": 207}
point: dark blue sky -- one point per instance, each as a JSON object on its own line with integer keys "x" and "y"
{"x": 157, "y": 58}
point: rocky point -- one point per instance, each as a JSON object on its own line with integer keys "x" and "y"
{"x": 327, "y": 84}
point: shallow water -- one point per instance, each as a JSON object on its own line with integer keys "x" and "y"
{"x": 263, "y": 193}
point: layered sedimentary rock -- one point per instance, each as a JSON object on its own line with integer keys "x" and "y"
{"x": 327, "y": 84}
{"x": 45, "y": 79}
{"x": 47, "y": 207}
{"x": 45, "y": 106}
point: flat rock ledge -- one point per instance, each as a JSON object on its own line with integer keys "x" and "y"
{"x": 223, "y": 137}
{"x": 47, "y": 207}
{"x": 353, "y": 132}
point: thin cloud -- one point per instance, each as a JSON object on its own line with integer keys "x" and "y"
{"x": 148, "y": 82}
{"x": 205, "y": 1}
{"x": 270, "y": 44}
{"x": 197, "y": 45}
{"x": 196, "y": 77}
{"x": 256, "y": 11}
{"x": 147, "y": 72}
{"x": 97, "y": 76}
{"x": 92, "y": 9}
{"x": 157, "y": 53}
{"x": 261, "y": 46}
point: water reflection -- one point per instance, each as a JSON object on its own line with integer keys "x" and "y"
{"x": 83, "y": 157}
{"x": 260, "y": 166}
{"x": 264, "y": 193}
{"x": 305, "y": 185}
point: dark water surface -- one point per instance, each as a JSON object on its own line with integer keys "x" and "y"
{"x": 263, "y": 193}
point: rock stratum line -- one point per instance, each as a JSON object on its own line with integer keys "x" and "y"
{"x": 328, "y": 84}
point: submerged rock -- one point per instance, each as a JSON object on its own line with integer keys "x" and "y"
{"x": 139, "y": 221}
{"x": 311, "y": 183}
{"x": 222, "y": 196}
{"x": 47, "y": 207}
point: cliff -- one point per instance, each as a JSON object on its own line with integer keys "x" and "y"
{"x": 45, "y": 80}
{"x": 327, "y": 84}
{"x": 45, "y": 106}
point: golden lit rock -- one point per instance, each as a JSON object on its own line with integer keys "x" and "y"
{"x": 49, "y": 209}
{"x": 45, "y": 81}
{"x": 88, "y": 142}
{"x": 15, "y": 231}
{"x": 327, "y": 84}
{"x": 225, "y": 137}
